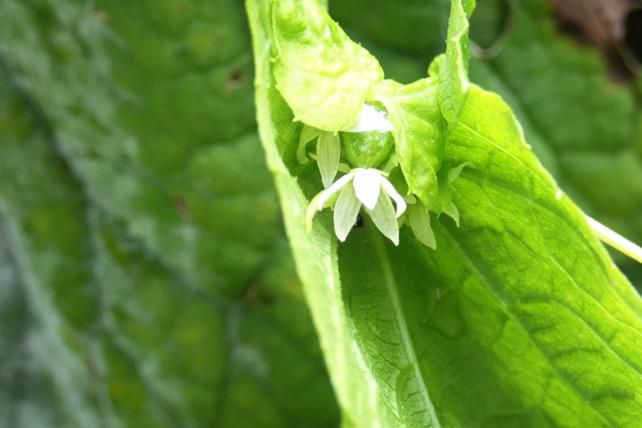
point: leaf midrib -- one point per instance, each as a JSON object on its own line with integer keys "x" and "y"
{"x": 408, "y": 344}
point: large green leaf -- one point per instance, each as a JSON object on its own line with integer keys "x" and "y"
{"x": 548, "y": 80}
{"x": 134, "y": 293}
{"x": 519, "y": 318}
{"x": 583, "y": 125}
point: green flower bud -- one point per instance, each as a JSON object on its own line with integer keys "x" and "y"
{"x": 367, "y": 149}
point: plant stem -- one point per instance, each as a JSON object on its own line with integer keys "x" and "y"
{"x": 615, "y": 240}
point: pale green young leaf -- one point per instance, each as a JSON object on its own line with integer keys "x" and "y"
{"x": 418, "y": 128}
{"x": 519, "y": 317}
{"x": 312, "y": 51}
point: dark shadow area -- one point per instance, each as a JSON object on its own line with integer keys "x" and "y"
{"x": 633, "y": 35}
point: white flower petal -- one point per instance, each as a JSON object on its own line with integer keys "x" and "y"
{"x": 346, "y": 211}
{"x": 392, "y": 192}
{"x": 367, "y": 186}
{"x": 328, "y": 154}
{"x": 383, "y": 216}
{"x": 328, "y": 193}
{"x": 321, "y": 200}
{"x": 371, "y": 119}
{"x": 419, "y": 220}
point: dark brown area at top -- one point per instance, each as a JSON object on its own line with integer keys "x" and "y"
{"x": 611, "y": 26}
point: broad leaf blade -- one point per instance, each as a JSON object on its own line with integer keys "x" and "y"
{"x": 518, "y": 318}
{"x": 504, "y": 324}
{"x": 554, "y": 84}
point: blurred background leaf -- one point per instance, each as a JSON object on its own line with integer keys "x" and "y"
{"x": 145, "y": 280}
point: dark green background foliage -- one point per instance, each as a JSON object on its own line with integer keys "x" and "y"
{"x": 145, "y": 280}
{"x": 144, "y": 275}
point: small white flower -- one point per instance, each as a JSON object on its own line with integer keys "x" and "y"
{"x": 361, "y": 186}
